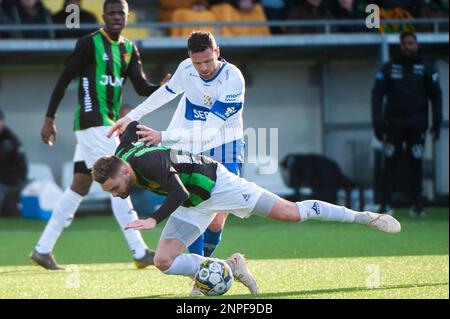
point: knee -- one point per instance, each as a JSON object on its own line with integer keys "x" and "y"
{"x": 291, "y": 212}
{"x": 294, "y": 213}
{"x": 81, "y": 189}
{"x": 60, "y": 216}
{"x": 81, "y": 184}
{"x": 163, "y": 262}
{"x": 285, "y": 210}
{"x": 217, "y": 223}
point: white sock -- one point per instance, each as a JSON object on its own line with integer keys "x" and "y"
{"x": 62, "y": 216}
{"x": 185, "y": 265}
{"x": 125, "y": 214}
{"x": 316, "y": 209}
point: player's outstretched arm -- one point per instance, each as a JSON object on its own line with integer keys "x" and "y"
{"x": 72, "y": 68}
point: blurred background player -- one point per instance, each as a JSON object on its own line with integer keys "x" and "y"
{"x": 101, "y": 61}
{"x": 13, "y": 170}
{"x": 213, "y": 99}
{"x": 408, "y": 82}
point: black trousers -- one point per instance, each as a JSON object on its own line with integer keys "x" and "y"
{"x": 403, "y": 147}
{"x": 9, "y": 200}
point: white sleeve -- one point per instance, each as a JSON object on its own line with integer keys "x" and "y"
{"x": 163, "y": 95}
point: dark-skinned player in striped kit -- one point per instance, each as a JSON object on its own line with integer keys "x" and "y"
{"x": 101, "y": 61}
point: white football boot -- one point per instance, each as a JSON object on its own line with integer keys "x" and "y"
{"x": 242, "y": 274}
{"x": 384, "y": 223}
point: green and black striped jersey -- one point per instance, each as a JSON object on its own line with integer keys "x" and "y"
{"x": 155, "y": 167}
{"x": 101, "y": 65}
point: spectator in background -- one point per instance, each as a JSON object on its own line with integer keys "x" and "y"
{"x": 187, "y": 11}
{"x": 167, "y": 7}
{"x": 240, "y": 11}
{"x": 408, "y": 82}
{"x": 243, "y": 5}
{"x": 33, "y": 12}
{"x": 5, "y": 18}
{"x": 412, "y": 6}
{"x": 347, "y": 10}
{"x": 433, "y": 9}
{"x": 85, "y": 17}
{"x": 308, "y": 10}
{"x": 13, "y": 170}
{"x": 397, "y": 10}
{"x": 275, "y": 10}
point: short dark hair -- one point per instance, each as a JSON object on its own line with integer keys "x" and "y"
{"x": 406, "y": 34}
{"x": 199, "y": 41}
{"x": 2, "y": 116}
{"x": 106, "y": 167}
{"x": 113, "y": 2}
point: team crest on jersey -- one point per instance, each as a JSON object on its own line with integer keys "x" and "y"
{"x": 127, "y": 57}
{"x": 207, "y": 99}
{"x": 153, "y": 185}
{"x": 230, "y": 111}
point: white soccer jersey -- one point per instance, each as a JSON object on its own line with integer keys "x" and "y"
{"x": 209, "y": 114}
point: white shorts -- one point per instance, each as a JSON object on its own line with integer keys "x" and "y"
{"x": 92, "y": 144}
{"x": 231, "y": 194}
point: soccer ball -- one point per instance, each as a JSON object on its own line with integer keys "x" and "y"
{"x": 213, "y": 277}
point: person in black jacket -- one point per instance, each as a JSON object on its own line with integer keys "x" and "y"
{"x": 33, "y": 12}
{"x": 13, "y": 170}
{"x": 5, "y": 19}
{"x": 407, "y": 82}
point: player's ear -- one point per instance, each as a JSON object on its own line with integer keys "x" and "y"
{"x": 124, "y": 171}
{"x": 217, "y": 50}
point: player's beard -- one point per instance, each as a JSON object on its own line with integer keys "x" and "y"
{"x": 127, "y": 191}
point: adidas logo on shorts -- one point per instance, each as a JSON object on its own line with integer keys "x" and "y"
{"x": 316, "y": 208}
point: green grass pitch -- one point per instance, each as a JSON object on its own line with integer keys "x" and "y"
{"x": 310, "y": 260}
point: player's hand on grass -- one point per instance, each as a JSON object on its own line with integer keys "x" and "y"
{"x": 166, "y": 79}
{"x": 148, "y": 135}
{"x": 48, "y": 132}
{"x": 119, "y": 126}
{"x": 142, "y": 224}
